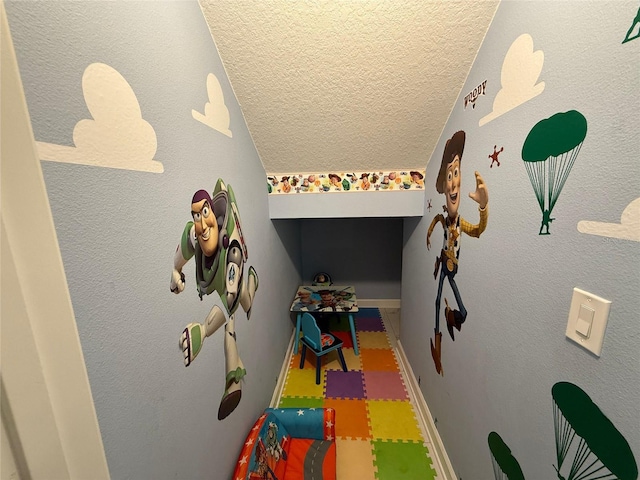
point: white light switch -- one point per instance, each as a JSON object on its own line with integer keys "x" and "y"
{"x": 588, "y": 320}
{"x": 585, "y": 318}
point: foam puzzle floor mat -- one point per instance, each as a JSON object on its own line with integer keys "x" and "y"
{"x": 378, "y": 435}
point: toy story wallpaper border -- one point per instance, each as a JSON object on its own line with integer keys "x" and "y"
{"x": 378, "y": 181}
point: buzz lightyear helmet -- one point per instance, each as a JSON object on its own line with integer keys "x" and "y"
{"x": 232, "y": 248}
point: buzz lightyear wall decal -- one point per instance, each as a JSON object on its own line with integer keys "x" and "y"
{"x": 214, "y": 237}
{"x": 634, "y": 29}
{"x": 549, "y": 153}
{"x": 448, "y": 183}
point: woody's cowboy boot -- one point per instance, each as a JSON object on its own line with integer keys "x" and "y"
{"x": 235, "y": 372}
{"x": 436, "y": 352}
{"x": 454, "y": 319}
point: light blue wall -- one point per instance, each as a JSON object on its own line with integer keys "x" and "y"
{"x": 363, "y": 252}
{"x": 118, "y": 231}
{"x": 517, "y": 285}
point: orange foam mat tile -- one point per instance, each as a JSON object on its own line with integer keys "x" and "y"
{"x": 308, "y": 361}
{"x": 376, "y": 359}
{"x": 352, "y": 419}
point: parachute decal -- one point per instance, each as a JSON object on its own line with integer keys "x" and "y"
{"x": 601, "y": 451}
{"x": 549, "y": 152}
{"x": 634, "y": 29}
{"x": 505, "y": 466}
{"x": 588, "y": 445}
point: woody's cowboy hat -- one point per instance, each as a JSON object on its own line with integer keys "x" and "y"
{"x": 453, "y": 147}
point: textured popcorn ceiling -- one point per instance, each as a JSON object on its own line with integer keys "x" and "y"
{"x": 347, "y": 85}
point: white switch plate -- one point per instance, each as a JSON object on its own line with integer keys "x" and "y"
{"x": 600, "y": 307}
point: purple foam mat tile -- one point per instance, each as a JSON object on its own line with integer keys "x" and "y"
{"x": 369, "y": 324}
{"x": 341, "y": 384}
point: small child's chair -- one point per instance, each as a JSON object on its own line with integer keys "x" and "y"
{"x": 320, "y": 343}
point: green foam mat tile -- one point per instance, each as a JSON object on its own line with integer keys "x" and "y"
{"x": 402, "y": 460}
{"x": 302, "y": 402}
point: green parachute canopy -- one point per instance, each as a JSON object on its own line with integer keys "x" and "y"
{"x": 575, "y": 415}
{"x": 505, "y": 466}
{"x": 554, "y": 136}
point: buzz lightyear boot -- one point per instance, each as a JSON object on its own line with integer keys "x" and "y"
{"x": 235, "y": 372}
{"x": 248, "y": 291}
{"x": 194, "y": 334}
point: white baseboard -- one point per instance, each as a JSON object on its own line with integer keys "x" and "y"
{"x": 379, "y": 302}
{"x": 440, "y": 454}
{"x": 277, "y": 392}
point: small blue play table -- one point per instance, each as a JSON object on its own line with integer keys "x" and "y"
{"x": 325, "y": 299}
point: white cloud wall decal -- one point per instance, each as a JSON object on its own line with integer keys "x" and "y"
{"x": 627, "y": 229}
{"x": 520, "y": 71}
{"x": 216, "y": 113}
{"x": 117, "y": 136}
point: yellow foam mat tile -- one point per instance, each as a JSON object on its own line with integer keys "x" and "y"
{"x": 302, "y": 383}
{"x": 393, "y": 420}
{"x": 373, "y": 340}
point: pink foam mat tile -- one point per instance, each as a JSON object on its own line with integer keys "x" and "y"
{"x": 384, "y": 386}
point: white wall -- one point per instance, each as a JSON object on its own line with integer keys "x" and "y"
{"x": 516, "y": 284}
{"x": 118, "y": 230}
